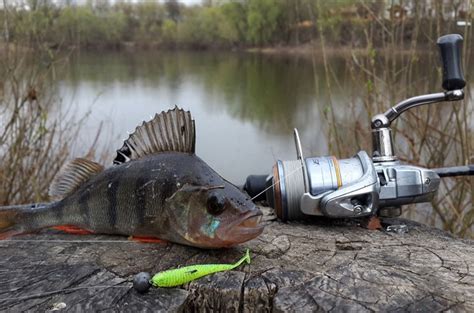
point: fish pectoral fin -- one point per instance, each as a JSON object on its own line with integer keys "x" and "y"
{"x": 71, "y": 176}
{"x": 71, "y": 229}
{"x": 145, "y": 239}
{"x": 192, "y": 271}
{"x": 171, "y": 131}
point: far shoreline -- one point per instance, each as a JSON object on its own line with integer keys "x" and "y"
{"x": 303, "y": 50}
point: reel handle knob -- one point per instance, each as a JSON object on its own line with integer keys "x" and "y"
{"x": 450, "y": 48}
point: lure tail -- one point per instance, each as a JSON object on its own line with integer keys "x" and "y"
{"x": 245, "y": 258}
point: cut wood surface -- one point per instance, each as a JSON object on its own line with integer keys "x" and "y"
{"x": 318, "y": 265}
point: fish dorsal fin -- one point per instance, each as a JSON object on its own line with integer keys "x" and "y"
{"x": 171, "y": 131}
{"x": 71, "y": 176}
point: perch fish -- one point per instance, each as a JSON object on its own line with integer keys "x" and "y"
{"x": 157, "y": 187}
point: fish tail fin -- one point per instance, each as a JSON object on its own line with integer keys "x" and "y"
{"x": 17, "y": 219}
{"x": 245, "y": 258}
{"x": 9, "y": 222}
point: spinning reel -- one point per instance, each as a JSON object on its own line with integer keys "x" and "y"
{"x": 363, "y": 185}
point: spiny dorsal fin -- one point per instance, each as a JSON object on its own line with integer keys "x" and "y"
{"x": 173, "y": 130}
{"x": 71, "y": 176}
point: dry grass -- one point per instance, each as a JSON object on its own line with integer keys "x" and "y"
{"x": 35, "y": 136}
{"x": 433, "y": 136}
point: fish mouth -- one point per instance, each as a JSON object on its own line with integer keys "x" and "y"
{"x": 251, "y": 221}
{"x": 245, "y": 229}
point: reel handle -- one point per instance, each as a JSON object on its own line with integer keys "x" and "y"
{"x": 450, "y": 49}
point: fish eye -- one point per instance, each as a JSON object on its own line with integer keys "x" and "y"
{"x": 215, "y": 205}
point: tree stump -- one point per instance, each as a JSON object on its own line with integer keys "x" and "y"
{"x": 316, "y": 265}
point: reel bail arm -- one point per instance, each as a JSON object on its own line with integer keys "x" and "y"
{"x": 384, "y": 120}
{"x": 382, "y": 143}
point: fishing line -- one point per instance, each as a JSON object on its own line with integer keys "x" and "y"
{"x": 49, "y": 293}
{"x": 278, "y": 181}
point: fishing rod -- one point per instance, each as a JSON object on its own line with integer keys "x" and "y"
{"x": 363, "y": 185}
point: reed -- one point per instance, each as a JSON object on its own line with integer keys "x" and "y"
{"x": 431, "y": 136}
{"x": 36, "y": 138}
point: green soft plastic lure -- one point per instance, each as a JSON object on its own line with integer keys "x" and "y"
{"x": 183, "y": 275}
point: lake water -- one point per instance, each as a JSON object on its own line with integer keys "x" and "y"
{"x": 245, "y": 105}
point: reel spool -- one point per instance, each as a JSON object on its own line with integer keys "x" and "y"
{"x": 287, "y": 190}
{"x": 323, "y": 174}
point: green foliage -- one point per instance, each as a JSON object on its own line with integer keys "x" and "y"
{"x": 235, "y": 15}
{"x": 150, "y": 18}
{"x": 89, "y": 28}
{"x": 173, "y": 9}
{"x": 206, "y": 27}
{"x": 31, "y": 26}
{"x": 169, "y": 31}
{"x": 223, "y": 23}
{"x": 262, "y": 19}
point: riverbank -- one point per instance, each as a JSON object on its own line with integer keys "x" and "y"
{"x": 307, "y": 49}
{"x": 317, "y": 49}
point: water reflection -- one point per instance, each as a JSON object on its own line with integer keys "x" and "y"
{"x": 268, "y": 91}
{"x": 245, "y": 105}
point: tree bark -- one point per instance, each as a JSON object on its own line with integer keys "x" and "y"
{"x": 318, "y": 265}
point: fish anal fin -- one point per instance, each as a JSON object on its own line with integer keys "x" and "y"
{"x": 171, "y": 131}
{"x": 71, "y": 176}
{"x": 71, "y": 229}
{"x": 145, "y": 239}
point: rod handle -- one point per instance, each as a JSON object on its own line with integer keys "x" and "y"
{"x": 467, "y": 170}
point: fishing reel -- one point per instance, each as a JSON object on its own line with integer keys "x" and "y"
{"x": 363, "y": 185}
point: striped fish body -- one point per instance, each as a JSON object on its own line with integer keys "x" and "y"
{"x": 172, "y": 195}
{"x": 131, "y": 198}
